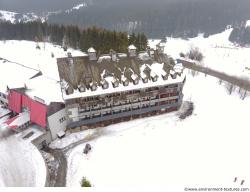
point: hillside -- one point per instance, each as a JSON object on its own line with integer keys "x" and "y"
{"x": 156, "y": 18}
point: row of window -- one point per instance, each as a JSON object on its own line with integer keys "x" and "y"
{"x": 137, "y": 107}
{"x": 170, "y": 88}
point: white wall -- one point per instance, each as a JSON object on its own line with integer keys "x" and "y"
{"x": 4, "y": 100}
{"x": 57, "y": 122}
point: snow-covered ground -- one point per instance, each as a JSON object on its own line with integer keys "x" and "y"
{"x": 21, "y": 164}
{"x": 220, "y": 54}
{"x": 207, "y": 149}
{"x": 72, "y": 138}
{"x": 17, "y": 17}
{"x": 26, "y": 54}
{"x": 7, "y": 16}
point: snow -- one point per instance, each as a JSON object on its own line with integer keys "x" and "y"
{"x": 3, "y": 111}
{"x": 220, "y": 54}
{"x": 7, "y": 16}
{"x": 10, "y": 75}
{"x": 26, "y": 55}
{"x": 132, "y": 47}
{"x": 14, "y": 17}
{"x": 248, "y": 23}
{"x": 206, "y": 149}
{"x": 91, "y": 50}
{"x": 72, "y": 138}
{"x": 79, "y": 6}
{"x": 21, "y": 164}
{"x": 156, "y": 68}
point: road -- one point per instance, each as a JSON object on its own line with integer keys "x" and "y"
{"x": 58, "y": 167}
{"x": 243, "y": 83}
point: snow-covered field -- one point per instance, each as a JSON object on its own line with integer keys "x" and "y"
{"x": 220, "y": 54}
{"x": 21, "y": 164}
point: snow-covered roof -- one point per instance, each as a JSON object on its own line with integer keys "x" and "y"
{"x": 134, "y": 76}
{"x": 114, "y": 80}
{"x": 157, "y": 69}
{"x": 143, "y": 75}
{"x": 60, "y": 133}
{"x": 153, "y": 74}
{"x": 172, "y": 72}
{"x": 91, "y": 50}
{"x": 14, "y": 75}
{"x": 47, "y": 89}
{"x": 17, "y": 69}
{"x": 131, "y": 47}
{"x": 104, "y": 57}
{"x": 123, "y": 78}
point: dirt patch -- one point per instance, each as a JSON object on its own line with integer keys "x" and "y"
{"x": 186, "y": 110}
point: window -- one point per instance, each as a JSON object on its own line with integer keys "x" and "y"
{"x": 61, "y": 120}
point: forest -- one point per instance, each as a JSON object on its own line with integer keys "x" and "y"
{"x": 158, "y": 18}
{"x": 72, "y": 36}
{"x": 240, "y": 35}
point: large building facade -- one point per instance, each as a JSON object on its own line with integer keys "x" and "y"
{"x": 120, "y": 106}
{"x": 118, "y": 87}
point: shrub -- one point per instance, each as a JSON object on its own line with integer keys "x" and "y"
{"x": 182, "y": 54}
{"x": 85, "y": 183}
{"x": 195, "y": 54}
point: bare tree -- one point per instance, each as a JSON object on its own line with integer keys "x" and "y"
{"x": 230, "y": 87}
{"x": 195, "y": 54}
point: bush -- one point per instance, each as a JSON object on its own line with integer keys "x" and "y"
{"x": 195, "y": 54}
{"x": 182, "y": 54}
{"x": 85, "y": 183}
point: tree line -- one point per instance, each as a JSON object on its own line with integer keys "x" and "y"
{"x": 240, "y": 35}
{"x": 72, "y": 36}
{"x": 159, "y": 18}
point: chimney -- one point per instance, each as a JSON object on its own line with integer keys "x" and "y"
{"x": 132, "y": 51}
{"x": 92, "y": 54}
{"x": 70, "y": 58}
{"x": 150, "y": 52}
{"x": 113, "y": 55}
